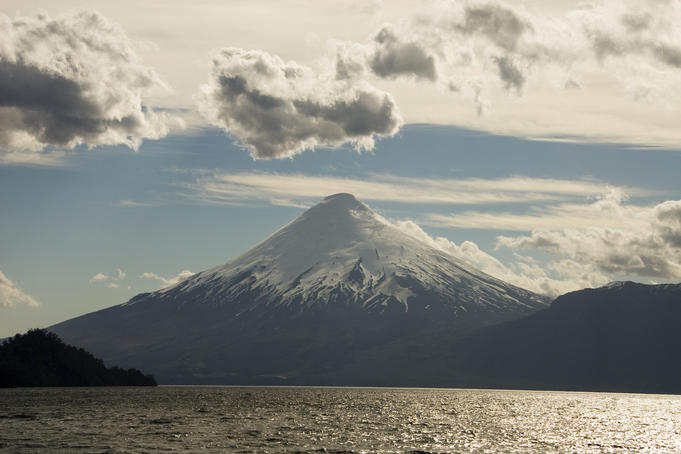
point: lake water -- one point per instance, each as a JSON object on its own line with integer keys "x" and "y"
{"x": 352, "y": 420}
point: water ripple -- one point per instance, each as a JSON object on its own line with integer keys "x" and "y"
{"x": 334, "y": 420}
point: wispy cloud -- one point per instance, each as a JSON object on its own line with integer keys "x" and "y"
{"x": 112, "y": 280}
{"x": 167, "y": 282}
{"x": 11, "y": 295}
{"x": 608, "y": 210}
{"x": 19, "y": 157}
{"x": 133, "y": 204}
{"x": 99, "y": 277}
{"x": 301, "y": 189}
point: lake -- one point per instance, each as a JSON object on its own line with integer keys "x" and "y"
{"x": 349, "y": 420}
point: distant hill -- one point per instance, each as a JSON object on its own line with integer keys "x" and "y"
{"x": 621, "y": 337}
{"x": 40, "y": 358}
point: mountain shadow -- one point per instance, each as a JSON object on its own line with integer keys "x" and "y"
{"x": 40, "y": 358}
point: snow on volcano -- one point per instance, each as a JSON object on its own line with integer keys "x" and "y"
{"x": 342, "y": 252}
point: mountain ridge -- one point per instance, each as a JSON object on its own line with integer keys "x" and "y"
{"x": 620, "y": 337}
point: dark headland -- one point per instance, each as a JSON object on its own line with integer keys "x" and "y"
{"x": 40, "y": 358}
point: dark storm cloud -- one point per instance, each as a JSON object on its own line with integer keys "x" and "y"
{"x": 279, "y": 109}
{"x": 70, "y": 80}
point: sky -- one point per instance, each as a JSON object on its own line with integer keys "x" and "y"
{"x": 143, "y": 141}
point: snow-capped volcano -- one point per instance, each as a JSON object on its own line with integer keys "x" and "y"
{"x": 341, "y": 251}
{"x": 334, "y": 287}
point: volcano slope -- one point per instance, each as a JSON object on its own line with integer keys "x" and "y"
{"x": 338, "y": 296}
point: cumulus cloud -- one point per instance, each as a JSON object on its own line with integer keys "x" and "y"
{"x": 70, "y": 80}
{"x": 477, "y": 49}
{"x": 470, "y": 49}
{"x": 647, "y": 244}
{"x": 463, "y": 47}
{"x": 394, "y": 57}
{"x": 11, "y": 295}
{"x": 167, "y": 282}
{"x": 278, "y": 109}
{"x": 559, "y": 277}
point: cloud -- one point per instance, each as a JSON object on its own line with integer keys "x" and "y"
{"x": 624, "y": 57}
{"x": 302, "y": 190}
{"x": 167, "y": 282}
{"x": 462, "y": 47}
{"x": 642, "y": 242}
{"x": 644, "y": 29}
{"x": 11, "y": 295}
{"x": 607, "y": 211}
{"x": 70, "y": 80}
{"x": 99, "y": 277}
{"x": 132, "y": 204}
{"x": 111, "y": 280}
{"x": 393, "y": 57}
{"x": 279, "y": 109}
{"x": 494, "y": 20}
{"x": 558, "y": 278}
{"x": 509, "y": 73}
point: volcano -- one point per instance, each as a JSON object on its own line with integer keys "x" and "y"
{"x": 338, "y": 296}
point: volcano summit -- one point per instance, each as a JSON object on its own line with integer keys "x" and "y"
{"x": 338, "y": 296}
